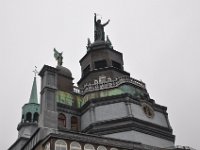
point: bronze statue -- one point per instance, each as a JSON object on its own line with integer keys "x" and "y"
{"x": 58, "y": 57}
{"x": 99, "y": 29}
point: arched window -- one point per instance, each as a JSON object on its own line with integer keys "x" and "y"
{"x": 23, "y": 118}
{"x": 113, "y": 149}
{"x": 28, "y": 117}
{"x": 75, "y": 146}
{"x": 47, "y": 146}
{"x": 61, "y": 120}
{"x": 101, "y": 148}
{"x": 35, "y": 117}
{"x": 88, "y": 147}
{"x": 60, "y": 145}
{"x": 74, "y": 123}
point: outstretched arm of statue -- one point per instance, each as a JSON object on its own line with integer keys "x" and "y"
{"x": 106, "y": 23}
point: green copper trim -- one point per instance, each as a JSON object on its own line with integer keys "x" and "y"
{"x": 33, "y": 96}
{"x": 69, "y": 99}
{"x": 122, "y": 89}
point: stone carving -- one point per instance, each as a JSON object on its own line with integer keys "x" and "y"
{"x": 58, "y": 56}
{"x": 108, "y": 84}
{"x": 99, "y": 34}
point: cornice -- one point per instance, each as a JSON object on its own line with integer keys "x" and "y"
{"x": 128, "y": 124}
{"x": 117, "y": 99}
{"x": 47, "y": 68}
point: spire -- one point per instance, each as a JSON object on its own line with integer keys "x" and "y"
{"x": 30, "y": 113}
{"x": 33, "y": 96}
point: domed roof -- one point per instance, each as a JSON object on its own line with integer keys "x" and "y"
{"x": 64, "y": 71}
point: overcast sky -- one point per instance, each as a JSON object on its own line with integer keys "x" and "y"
{"x": 160, "y": 42}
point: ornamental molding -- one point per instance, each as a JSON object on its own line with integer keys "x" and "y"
{"x": 128, "y": 124}
{"x": 111, "y": 83}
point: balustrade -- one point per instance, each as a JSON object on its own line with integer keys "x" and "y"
{"x": 111, "y": 84}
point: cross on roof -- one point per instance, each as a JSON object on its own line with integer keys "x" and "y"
{"x": 35, "y": 71}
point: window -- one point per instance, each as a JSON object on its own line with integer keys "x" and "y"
{"x": 88, "y": 147}
{"x": 100, "y": 64}
{"x": 116, "y": 65}
{"x": 35, "y": 117}
{"x": 86, "y": 70}
{"x": 47, "y": 146}
{"x": 101, "y": 148}
{"x": 28, "y": 117}
{"x": 113, "y": 149}
{"x": 74, "y": 123}
{"x": 75, "y": 146}
{"x": 60, "y": 145}
{"x": 61, "y": 120}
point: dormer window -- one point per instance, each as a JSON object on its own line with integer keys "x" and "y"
{"x": 100, "y": 64}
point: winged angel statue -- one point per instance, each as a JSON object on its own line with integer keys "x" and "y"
{"x": 58, "y": 56}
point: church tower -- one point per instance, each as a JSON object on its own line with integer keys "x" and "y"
{"x": 109, "y": 110}
{"x": 101, "y": 59}
{"x": 59, "y": 99}
{"x": 29, "y": 119}
{"x": 117, "y": 105}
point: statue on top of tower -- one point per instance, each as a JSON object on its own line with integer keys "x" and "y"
{"x": 99, "y": 34}
{"x": 58, "y": 56}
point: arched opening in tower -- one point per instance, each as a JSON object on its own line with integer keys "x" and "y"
{"x": 28, "y": 117}
{"x": 61, "y": 120}
{"x": 35, "y": 117}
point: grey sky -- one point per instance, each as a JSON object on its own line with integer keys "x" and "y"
{"x": 160, "y": 42}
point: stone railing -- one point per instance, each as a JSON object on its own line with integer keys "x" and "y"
{"x": 111, "y": 84}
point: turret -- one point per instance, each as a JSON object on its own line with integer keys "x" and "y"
{"x": 58, "y": 97}
{"x": 29, "y": 120}
{"x": 30, "y": 114}
{"x": 101, "y": 62}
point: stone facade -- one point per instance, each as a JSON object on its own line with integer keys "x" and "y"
{"x": 109, "y": 110}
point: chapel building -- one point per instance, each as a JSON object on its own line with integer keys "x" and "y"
{"x": 108, "y": 110}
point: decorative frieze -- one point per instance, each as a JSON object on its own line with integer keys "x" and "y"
{"x": 108, "y": 84}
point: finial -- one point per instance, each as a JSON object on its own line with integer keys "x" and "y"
{"x": 108, "y": 42}
{"x": 35, "y": 71}
{"x": 88, "y": 44}
{"x": 58, "y": 57}
{"x": 33, "y": 97}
